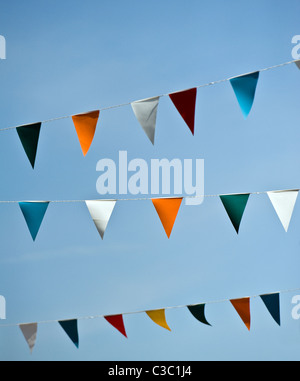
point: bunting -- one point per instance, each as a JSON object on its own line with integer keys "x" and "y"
{"x": 33, "y": 212}
{"x": 158, "y": 316}
{"x": 100, "y": 211}
{"x": 29, "y": 331}
{"x": 244, "y": 88}
{"x": 283, "y": 203}
{"x": 145, "y": 111}
{"x": 242, "y": 307}
{"x": 235, "y": 205}
{"x": 117, "y": 322}
{"x": 85, "y": 125}
{"x": 29, "y": 136}
{"x": 185, "y": 102}
{"x": 167, "y": 209}
{"x": 70, "y": 327}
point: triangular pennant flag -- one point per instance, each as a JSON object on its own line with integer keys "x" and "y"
{"x": 244, "y": 87}
{"x": 235, "y": 205}
{"x": 185, "y": 102}
{"x": 33, "y": 212}
{"x": 271, "y": 301}
{"x": 298, "y": 64}
{"x": 167, "y": 209}
{"x": 70, "y": 327}
{"x": 117, "y": 322}
{"x": 145, "y": 111}
{"x": 100, "y": 211}
{"x": 283, "y": 203}
{"x": 85, "y": 125}
{"x": 29, "y": 331}
{"x": 158, "y": 316}
{"x": 242, "y": 307}
{"x": 29, "y": 136}
{"x": 198, "y": 312}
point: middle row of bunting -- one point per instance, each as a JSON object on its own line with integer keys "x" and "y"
{"x": 145, "y": 110}
{"x": 167, "y": 209}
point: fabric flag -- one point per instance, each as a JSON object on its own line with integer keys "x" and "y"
{"x": 29, "y": 136}
{"x": 33, "y": 212}
{"x": 244, "y": 87}
{"x": 158, "y": 316}
{"x": 185, "y": 102}
{"x": 198, "y": 312}
{"x": 117, "y": 322}
{"x": 235, "y": 205}
{"x": 271, "y": 301}
{"x": 283, "y": 203}
{"x": 100, "y": 211}
{"x": 298, "y": 63}
{"x": 167, "y": 209}
{"x": 85, "y": 125}
{"x": 145, "y": 111}
{"x": 29, "y": 331}
{"x": 242, "y": 307}
{"x": 70, "y": 327}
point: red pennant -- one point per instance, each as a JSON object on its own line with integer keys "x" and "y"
{"x": 117, "y": 322}
{"x": 185, "y": 102}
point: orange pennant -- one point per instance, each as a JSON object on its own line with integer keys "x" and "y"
{"x": 158, "y": 316}
{"x": 85, "y": 125}
{"x": 167, "y": 209}
{"x": 242, "y": 307}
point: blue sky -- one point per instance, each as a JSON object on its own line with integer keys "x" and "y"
{"x": 69, "y": 57}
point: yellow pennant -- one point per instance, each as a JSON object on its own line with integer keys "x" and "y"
{"x": 158, "y": 316}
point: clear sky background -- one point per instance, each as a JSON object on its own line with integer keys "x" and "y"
{"x": 67, "y": 57}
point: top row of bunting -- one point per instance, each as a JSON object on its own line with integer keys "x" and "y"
{"x": 145, "y": 110}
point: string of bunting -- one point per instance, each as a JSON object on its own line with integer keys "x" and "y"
{"x": 158, "y": 316}
{"x": 167, "y": 209}
{"x": 145, "y": 110}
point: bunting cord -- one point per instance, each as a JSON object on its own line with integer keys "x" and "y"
{"x": 159, "y": 96}
{"x": 156, "y": 309}
{"x": 147, "y": 198}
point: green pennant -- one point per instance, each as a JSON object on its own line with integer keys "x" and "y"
{"x": 198, "y": 312}
{"x": 235, "y": 205}
{"x": 29, "y": 136}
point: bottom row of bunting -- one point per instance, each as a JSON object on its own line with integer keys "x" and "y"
{"x": 242, "y": 306}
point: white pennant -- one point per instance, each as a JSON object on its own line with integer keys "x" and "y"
{"x": 145, "y": 111}
{"x": 283, "y": 203}
{"x": 100, "y": 211}
{"x": 298, "y": 63}
{"x": 29, "y": 331}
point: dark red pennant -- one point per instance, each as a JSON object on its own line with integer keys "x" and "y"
{"x": 185, "y": 102}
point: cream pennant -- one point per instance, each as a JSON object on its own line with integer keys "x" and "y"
{"x": 29, "y": 331}
{"x": 100, "y": 211}
{"x": 145, "y": 111}
{"x": 283, "y": 203}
